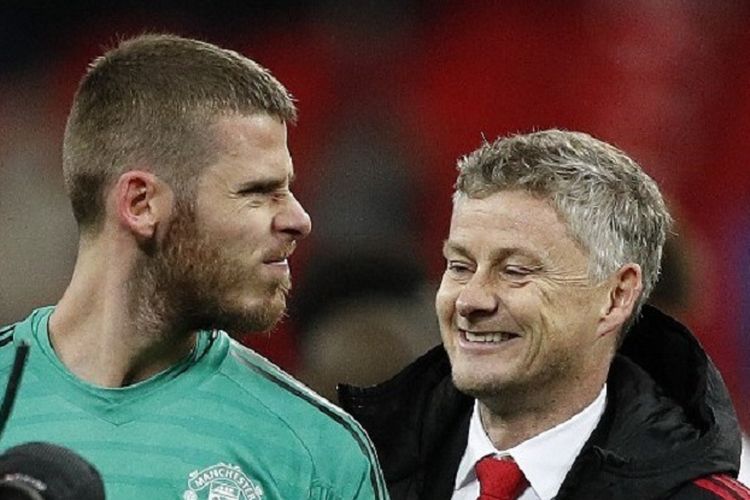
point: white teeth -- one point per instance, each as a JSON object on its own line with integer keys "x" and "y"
{"x": 487, "y": 337}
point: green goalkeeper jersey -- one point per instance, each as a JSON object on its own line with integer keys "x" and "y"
{"x": 223, "y": 424}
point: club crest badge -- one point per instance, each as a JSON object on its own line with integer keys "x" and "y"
{"x": 221, "y": 482}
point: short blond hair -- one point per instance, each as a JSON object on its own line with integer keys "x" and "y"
{"x": 148, "y": 103}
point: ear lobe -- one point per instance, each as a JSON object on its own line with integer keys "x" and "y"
{"x": 140, "y": 203}
{"x": 625, "y": 288}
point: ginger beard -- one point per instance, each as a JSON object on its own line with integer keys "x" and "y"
{"x": 189, "y": 282}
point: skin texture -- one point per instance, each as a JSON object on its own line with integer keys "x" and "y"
{"x": 511, "y": 268}
{"x": 246, "y": 207}
{"x": 162, "y": 268}
{"x": 223, "y": 260}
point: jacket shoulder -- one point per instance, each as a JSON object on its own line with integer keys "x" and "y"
{"x": 713, "y": 487}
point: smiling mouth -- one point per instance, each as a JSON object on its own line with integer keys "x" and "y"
{"x": 488, "y": 337}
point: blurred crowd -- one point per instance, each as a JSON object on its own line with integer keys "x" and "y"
{"x": 391, "y": 93}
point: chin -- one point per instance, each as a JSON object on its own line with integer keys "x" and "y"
{"x": 240, "y": 323}
{"x": 478, "y": 384}
{"x": 261, "y": 315}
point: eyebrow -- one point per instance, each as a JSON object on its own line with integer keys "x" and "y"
{"x": 265, "y": 185}
{"x": 449, "y": 246}
{"x": 497, "y": 254}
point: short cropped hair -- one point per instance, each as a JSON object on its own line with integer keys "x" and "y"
{"x": 148, "y": 104}
{"x": 612, "y": 208}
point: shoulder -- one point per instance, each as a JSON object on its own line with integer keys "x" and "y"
{"x": 340, "y": 450}
{"x": 6, "y": 334}
{"x": 713, "y": 487}
{"x": 23, "y": 331}
{"x": 291, "y": 400}
{"x": 7, "y": 338}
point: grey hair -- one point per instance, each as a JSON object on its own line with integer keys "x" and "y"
{"x": 612, "y": 208}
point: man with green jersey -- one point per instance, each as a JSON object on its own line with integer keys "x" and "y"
{"x": 176, "y": 162}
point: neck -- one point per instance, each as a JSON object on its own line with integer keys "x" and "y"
{"x": 508, "y": 425}
{"x": 96, "y": 333}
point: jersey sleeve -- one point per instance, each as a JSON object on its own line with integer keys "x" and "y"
{"x": 370, "y": 487}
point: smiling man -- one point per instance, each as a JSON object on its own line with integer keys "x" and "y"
{"x": 176, "y": 162}
{"x": 554, "y": 380}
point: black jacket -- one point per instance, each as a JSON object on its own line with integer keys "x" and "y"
{"x": 668, "y": 423}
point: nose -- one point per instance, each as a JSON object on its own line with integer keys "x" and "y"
{"x": 476, "y": 298}
{"x": 293, "y": 219}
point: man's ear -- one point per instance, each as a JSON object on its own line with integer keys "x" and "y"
{"x": 142, "y": 202}
{"x": 624, "y": 289}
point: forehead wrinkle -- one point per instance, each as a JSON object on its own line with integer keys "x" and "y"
{"x": 541, "y": 234}
{"x": 496, "y": 254}
{"x": 233, "y": 132}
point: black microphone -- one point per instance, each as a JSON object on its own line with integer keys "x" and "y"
{"x": 45, "y": 471}
{"x": 42, "y": 471}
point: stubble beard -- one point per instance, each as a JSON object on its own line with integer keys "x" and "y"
{"x": 188, "y": 283}
{"x": 516, "y": 393}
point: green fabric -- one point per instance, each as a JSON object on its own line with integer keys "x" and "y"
{"x": 222, "y": 424}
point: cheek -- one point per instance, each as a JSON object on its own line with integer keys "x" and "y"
{"x": 563, "y": 313}
{"x": 445, "y": 301}
{"x": 527, "y": 308}
{"x": 557, "y": 300}
{"x": 238, "y": 235}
